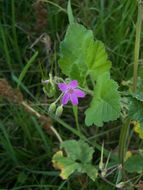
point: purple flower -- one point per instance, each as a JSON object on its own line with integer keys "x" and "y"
{"x": 71, "y": 92}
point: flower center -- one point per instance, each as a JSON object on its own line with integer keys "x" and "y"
{"x": 70, "y": 91}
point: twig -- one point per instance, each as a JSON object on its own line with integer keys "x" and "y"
{"x": 39, "y": 116}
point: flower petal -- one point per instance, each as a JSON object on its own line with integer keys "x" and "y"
{"x": 65, "y": 98}
{"x": 79, "y": 93}
{"x": 74, "y": 99}
{"x": 73, "y": 84}
{"x": 63, "y": 86}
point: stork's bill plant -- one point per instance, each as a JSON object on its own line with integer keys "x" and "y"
{"x": 86, "y": 67}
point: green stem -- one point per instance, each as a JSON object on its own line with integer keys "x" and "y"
{"x": 56, "y": 5}
{"x": 124, "y": 131}
{"x": 75, "y": 111}
{"x": 58, "y": 98}
{"x": 123, "y": 140}
{"x": 137, "y": 44}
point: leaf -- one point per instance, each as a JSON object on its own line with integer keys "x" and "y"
{"x": 138, "y": 129}
{"x": 128, "y": 155}
{"x": 138, "y": 96}
{"x": 81, "y": 56}
{"x": 78, "y": 159}
{"x": 97, "y": 62}
{"x": 136, "y": 110}
{"x": 66, "y": 165}
{"x": 73, "y": 50}
{"x": 78, "y": 150}
{"x": 136, "y": 104}
{"x": 91, "y": 171}
{"x": 105, "y": 105}
{"x": 134, "y": 164}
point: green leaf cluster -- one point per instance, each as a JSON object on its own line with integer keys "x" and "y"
{"x": 78, "y": 159}
{"x": 82, "y": 57}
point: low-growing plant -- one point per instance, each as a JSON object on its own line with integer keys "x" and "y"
{"x": 85, "y": 63}
{"x": 85, "y": 75}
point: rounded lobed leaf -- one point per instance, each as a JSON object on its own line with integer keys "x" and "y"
{"x": 105, "y": 105}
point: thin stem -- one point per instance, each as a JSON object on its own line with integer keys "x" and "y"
{"x": 56, "y": 5}
{"x": 137, "y": 44}
{"x": 56, "y": 134}
{"x": 75, "y": 111}
{"x": 59, "y": 98}
{"x": 31, "y": 110}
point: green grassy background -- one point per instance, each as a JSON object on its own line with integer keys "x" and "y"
{"x": 25, "y": 149}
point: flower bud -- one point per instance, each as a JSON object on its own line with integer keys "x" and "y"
{"x": 52, "y": 107}
{"x": 101, "y": 165}
{"x": 59, "y": 111}
{"x": 49, "y": 89}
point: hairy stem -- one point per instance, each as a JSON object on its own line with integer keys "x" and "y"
{"x": 123, "y": 140}
{"x": 75, "y": 111}
{"x": 137, "y": 44}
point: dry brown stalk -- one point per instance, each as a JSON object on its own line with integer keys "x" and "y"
{"x": 15, "y": 96}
